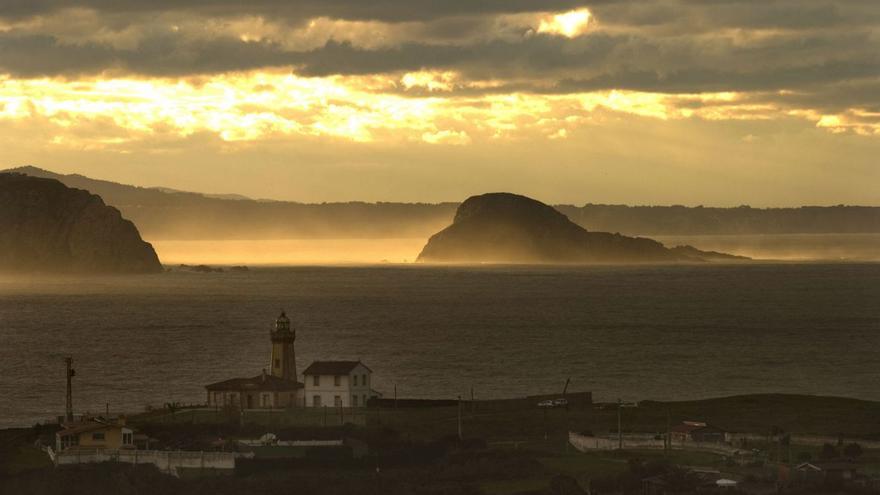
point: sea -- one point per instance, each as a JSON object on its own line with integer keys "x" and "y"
{"x": 635, "y": 332}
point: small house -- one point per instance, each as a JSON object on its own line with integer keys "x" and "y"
{"x": 95, "y": 434}
{"x": 337, "y": 384}
{"x": 697, "y": 431}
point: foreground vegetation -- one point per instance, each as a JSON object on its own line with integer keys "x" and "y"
{"x": 509, "y": 447}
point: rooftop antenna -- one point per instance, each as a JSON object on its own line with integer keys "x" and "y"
{"x": 68, "y": 411}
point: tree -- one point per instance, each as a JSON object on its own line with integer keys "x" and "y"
{"x": 852, "y": 450}
{"x": 828, "y": 452}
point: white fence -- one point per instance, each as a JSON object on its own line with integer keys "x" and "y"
{"x": 585, "y": 443}
{"x": 167, "y": 461}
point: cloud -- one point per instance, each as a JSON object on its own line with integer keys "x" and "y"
{"x": 384, "y": 10}
{"x": 813, "y": 58}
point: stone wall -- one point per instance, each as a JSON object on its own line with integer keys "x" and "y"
{"x": 167, "y": 461}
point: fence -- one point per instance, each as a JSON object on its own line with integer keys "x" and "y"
{"x": 167, "y": 461}
{"x": 585, "y": 443}
{"x": 810, "y": 440}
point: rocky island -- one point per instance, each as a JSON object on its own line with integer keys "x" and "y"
{"x": 509, "y": 228}
{"x": 46, "y": 226}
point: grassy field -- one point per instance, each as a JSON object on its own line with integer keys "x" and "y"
{"x": 526, "y": 447}
{"x": 519, "y": 422}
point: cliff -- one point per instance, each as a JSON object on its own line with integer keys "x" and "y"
{"x": 46, "y": 226}
{"x": 508, "y": 228}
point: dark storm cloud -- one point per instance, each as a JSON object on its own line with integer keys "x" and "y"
{"x": 823, "y": 52}
{"x": 382, "y": 10}
{"x": 691, "y": 16}
{"x": 591, "y": 62}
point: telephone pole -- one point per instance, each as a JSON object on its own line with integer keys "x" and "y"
{"x": 459, "y": 418}
{"x": 619, "y": 430}
{"x": 68, "y": 410}
{"x": 667, "y": 439}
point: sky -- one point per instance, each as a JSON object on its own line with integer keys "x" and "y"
{"x": 713, "y": 102}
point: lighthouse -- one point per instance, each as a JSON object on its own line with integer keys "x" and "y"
{"x": 283, "y": 360}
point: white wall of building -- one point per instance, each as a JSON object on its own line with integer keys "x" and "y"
{"x": 351, "y": 390}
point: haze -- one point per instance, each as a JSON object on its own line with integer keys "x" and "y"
{"x": 657, "y": 102}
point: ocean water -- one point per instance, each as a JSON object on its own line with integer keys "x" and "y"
{"x": 635, "y": 332}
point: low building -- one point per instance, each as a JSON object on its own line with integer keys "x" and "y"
{"x": 697, "y": 431}
{"x": 337, "y": 384}
{"x": 263, "y": 391}
{"x": 95, "y": 434}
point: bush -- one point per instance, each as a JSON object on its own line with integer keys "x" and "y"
{"x": 829, "y": 452}
{"x": 853, "y": 450}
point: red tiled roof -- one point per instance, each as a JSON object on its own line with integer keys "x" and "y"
{"x": 88, "y": 426}
{"x": 333, "y": 367}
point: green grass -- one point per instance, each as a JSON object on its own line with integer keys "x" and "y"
{"x": 584, "y": 466}
{"x": 798, "y": 414}
{"x": 512, "y": 487}
{"x": 17, "y": 452}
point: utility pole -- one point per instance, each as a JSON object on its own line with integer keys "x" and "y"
{"x": 667, "y": 440}
{"x": 395, "y": 396}
{"x": 459, "y": 418}
{"x": 68, "y": 411}
{"x": 546, "y": 433}
{"x": 473, "y": 404}
{"x": 619, "y": 430}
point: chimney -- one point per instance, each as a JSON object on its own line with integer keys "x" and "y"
{"x": 264, "y": 374}
{"x": 121, "y": 420}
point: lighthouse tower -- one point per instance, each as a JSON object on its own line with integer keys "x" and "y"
{"x": 283, "y": 360}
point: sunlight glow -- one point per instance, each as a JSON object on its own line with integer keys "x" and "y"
{"x": 251, "y": 107}
{"x": 570, "y": 24}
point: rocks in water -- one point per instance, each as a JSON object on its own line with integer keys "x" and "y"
{"x": 46, "y": 226}
{"x": 211, "y": 269}
{"x": 508, "y": 228}
{"x": 199, "y": 268}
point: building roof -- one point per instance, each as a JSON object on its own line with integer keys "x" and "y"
{"x": 831, "y": 465}
{"x": 333, "y": 367}
{"x": 261, "y": 382}
{"x": 691, "y": 426}
{"x": 85, "y": 427}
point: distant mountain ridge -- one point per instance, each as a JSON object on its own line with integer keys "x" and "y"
{"x": 510, "y": 228}
{"x": 168, "y": 214}
{"x": 48, "y": 227}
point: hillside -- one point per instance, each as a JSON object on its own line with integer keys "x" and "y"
{"x": 166, "y": 214}
{"x": 509, "y": 228}
{"x": 48, "y": 227}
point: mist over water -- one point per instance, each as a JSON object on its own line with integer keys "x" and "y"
{"x": 636, "y": 332}
{"x": 781, "y": 247}
{"x": 289, "y": 252}
{"x": 787, "y": 247}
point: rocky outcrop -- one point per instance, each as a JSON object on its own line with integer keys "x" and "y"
{"x": 47, "y": 227}
{"x": 508, "y": 228}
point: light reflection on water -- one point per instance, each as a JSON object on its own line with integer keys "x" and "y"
{"x": 636, "y": 332}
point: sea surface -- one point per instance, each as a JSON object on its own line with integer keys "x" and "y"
{"x": 635, "y": 332}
